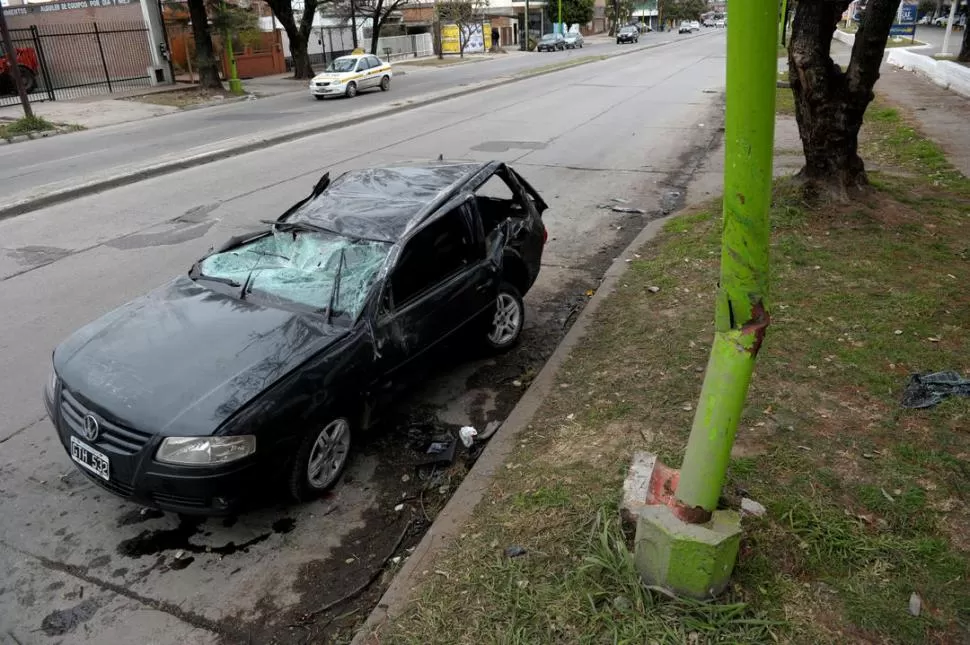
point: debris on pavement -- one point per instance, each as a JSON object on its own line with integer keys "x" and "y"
{"x": 751, "y": 507}
{"x": 927, "y": 390}
{"x": 514, "y": 551}
{"x": 467, "y": 435}
{"x": 653, "y": 289}
{"x": 627, "y": 209}
{"x": 490, "y": 428}
{"x": 915, "y": 604}
{"x": 399, "y": 508}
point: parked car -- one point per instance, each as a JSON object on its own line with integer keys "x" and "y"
{"x": 684, "y": 27}
{"x": 28, "y": 65}
{"x": 708, "y": 22}
{"x": 719, "y": 24}
{"x": 628, "y": 34}
{"x": 264, "y": 360}
{"x": 574, "y": 40}
{"x": 695, "y": 25}
{"x": 551, "y": 43}
{"x": 348, "y": 75}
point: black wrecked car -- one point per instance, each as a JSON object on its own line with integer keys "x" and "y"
{"x": 265, "y": 359}
{"x": 628, "y": 34}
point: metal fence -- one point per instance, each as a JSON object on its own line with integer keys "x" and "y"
{"x": 71, "y": 61}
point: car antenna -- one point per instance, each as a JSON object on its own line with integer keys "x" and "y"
{"x": 322, "y": 184}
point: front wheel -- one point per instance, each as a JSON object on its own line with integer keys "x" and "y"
{"x": 385, "y": 83}
{"x": 320, "y": 460}
{"x": 508, "y": 317}
{"x": 351, "y": 90}
{"x": 29, "y": 79}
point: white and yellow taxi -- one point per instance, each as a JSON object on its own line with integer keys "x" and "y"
{"x": 347, "y": 75}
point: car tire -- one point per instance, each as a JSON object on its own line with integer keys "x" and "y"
{"x": 385, "y": 83}
{"x": 351, "y": 90}
{"x": 29, "y": 79}
{"x": 329, "y": 446}
{"x": 505, "y": 322}
{"x": 318, "y": 97}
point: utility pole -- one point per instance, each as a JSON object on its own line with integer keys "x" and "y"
{"x": 235, "y": 85}
{"x": 949, "y": 28}
{"x": 683, "y": 541}
{"x": 14, "y": 67}
{"x": 560, "y": 29}
{"x": 525, "y": 43}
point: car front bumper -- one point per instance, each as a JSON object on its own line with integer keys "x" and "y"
{"x": 134, "y": 474}
{"x": 626, "y": 39}
{"x": 331, "y": 89}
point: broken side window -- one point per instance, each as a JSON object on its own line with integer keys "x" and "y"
{"x": 434, "y": 254}
{"x": 498, "y": 200}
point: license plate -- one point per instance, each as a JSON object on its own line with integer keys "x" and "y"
{"x": 90, "y": 458}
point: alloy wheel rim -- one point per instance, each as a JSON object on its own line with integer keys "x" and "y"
{"x": 506, "y": 321}
{"x": 328, "y": 454}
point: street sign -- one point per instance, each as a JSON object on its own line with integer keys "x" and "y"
{"x": 903, "y": 30}
{"x": 907, "y": 13}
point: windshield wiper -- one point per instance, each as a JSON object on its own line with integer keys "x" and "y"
{"x": 215, "y": 278}
{"x": 336, "y": 285}
{"x": 249, "y": 278}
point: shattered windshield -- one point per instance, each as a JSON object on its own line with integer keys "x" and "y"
{"x": 342, "y": 65}
{"x": 305, "y": 267}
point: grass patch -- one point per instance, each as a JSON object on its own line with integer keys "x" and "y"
{"x": 903, "y": 42}
{"x": 866, "y": 501}
{"x": 784, "y": 99}
{"x": 447, "y": 61}
{"x": 25, "y": 125}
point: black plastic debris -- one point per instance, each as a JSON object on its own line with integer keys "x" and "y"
{"x": 927, "y": 390}
{"x": 514, "y": 551}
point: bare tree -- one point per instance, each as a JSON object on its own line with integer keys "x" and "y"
{"x": 379, "y": 11}
{"x": 829, "y": 102}
{"x": 298, "y": 35}
{"x": 464, "y": 14}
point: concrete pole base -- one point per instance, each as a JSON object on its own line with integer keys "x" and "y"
{"x": 236, "y": 86}
{"x": 693, "y": 560}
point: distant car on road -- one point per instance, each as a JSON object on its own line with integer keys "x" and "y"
{"x": 628, "y": 34}
{"x": 684, "y": 28}
{"x": 348, "y": 75}
{"x": 695, "y": 26}
{"x": 574, "y": 40}
{"x": 551, "y": 43}
{"x": 719, "y": 24}
{"x": 260, "y": 365}
{"x": 709, "y": 22}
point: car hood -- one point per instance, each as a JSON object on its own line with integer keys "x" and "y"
{"x": 182, "y": 359}
{"x": 333, "y": 76}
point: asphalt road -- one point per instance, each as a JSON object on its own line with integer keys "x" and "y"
{"x": 29, "y": 171}
{"x": 80, "y": 566}
{"x": 934, "y": 36}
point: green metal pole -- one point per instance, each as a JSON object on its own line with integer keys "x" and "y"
{"x": 560, "y": 17}
{"x": 235, "y": 85}
{"x": 741, "y": 314}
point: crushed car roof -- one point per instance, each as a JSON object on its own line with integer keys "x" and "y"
{"x": 385, "y": 203}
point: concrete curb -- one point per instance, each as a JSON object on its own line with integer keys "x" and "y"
{"x": 233, "y": 147}
{"x": 463, "y": 503}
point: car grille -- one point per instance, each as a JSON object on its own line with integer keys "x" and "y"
{"x": 118, "y": 488}
{"x": 323, "y": 84}
{"x": 113, "y": 437}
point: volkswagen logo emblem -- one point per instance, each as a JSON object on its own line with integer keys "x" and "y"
{"x": 91, "y": 428}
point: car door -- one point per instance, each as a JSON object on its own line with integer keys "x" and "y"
{"x": 441, "y": 282}
{"x": 374, "y": 71}
{"x": 361, "y": 73}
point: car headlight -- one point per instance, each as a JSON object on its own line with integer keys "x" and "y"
{"x": 52, "y": 382}
{"x": 205, "y": 451}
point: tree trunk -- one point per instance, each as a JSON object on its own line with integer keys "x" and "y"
{"x": 353, "y": 21}
{"x": 377, "y": 22}
{"x": 298, "y": 36}
{"x": 204, "y": 57}
{"x": 964, "y": 55}
{"x": 830, "y": 103}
